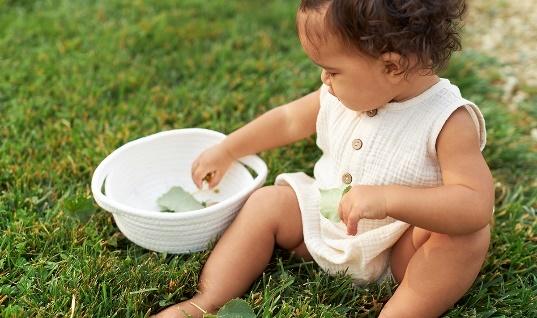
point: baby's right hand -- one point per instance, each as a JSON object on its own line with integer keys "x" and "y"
{"x": 211, "y": 165}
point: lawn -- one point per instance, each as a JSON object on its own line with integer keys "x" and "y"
{"x": 80, "y": 78}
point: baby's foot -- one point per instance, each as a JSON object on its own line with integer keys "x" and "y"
{"x": 185, "y": 309}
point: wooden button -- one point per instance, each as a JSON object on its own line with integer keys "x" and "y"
{"x": 357, "y": 144}
{"x": 347, "y": 178}
{"x": 372, "y": 113}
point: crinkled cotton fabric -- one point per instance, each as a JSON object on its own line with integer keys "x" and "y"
{"x": 395, "y": 144}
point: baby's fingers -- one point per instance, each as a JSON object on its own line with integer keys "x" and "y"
{"x": 342, "y": 211}
{"x": 198, "y": 175}
{"x": 212, "y": 178}
{"x": 352, "y": 225}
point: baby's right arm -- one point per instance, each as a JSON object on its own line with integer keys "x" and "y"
{"x": 278, "y": 127}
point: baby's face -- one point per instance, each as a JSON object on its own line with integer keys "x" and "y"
{"x": 359, "y": 81}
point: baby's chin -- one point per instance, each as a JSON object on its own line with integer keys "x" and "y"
{"x": 359, "y": 107}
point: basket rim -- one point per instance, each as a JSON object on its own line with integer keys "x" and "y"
{"x": 117, "y": 208}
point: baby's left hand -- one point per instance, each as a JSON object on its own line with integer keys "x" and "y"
{"x": 362, "y": 202}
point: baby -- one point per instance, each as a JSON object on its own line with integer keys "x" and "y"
{"x": 403, "y": 138}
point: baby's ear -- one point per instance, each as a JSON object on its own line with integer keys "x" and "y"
{"x": 394, "y": 65}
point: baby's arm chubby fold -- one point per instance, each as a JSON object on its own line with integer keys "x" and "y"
{"x": 464, "y": 203}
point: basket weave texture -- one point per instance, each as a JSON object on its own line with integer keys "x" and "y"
{"x": 136, "y": 174}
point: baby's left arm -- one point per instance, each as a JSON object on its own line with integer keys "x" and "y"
{"x": 463, "y": 204}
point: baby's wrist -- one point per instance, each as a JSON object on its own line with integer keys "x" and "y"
{"x": 390, "y": 193}
{"x": 227, "y": 150}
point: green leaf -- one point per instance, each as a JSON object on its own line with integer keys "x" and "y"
{"x": 330, "y": 202}
{"x": 178, "y": 200}
{"x": 80, "y": 208}
{"x": 236, "y": 308}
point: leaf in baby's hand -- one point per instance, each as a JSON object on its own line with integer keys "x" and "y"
{"x": 178, "y": 200}
{"x": 236, "y": 308}
{"x": 330, "y": 202}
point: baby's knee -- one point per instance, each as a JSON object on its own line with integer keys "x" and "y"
{"x": 264, "y": 192}
{"x": 263, "y": 197}
{"x": 272, "y": 197}
{"x": 267, "y": 202}
{"x": 475, "y": 244}
{"x": 256, "y": 205}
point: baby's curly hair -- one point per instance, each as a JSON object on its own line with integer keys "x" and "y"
{"x": 427, "y": 30}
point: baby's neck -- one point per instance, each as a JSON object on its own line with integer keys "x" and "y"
{"x": 414, "y": 86}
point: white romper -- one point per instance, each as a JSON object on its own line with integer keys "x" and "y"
{"x": 395, "y": 144}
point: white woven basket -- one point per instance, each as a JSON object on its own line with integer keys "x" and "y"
{"x": 137, "y": 173}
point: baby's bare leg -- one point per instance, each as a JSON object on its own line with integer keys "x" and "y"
{"x": 270, "y": 216}
{"x": 436, "y": 270}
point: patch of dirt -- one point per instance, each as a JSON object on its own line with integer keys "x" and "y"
{"x": 506, "y": 30}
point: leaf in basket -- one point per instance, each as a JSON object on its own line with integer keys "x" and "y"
{"x": 330, "y": 202}
{"x": 178, "y": 200}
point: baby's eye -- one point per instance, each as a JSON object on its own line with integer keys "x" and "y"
{"x": 331, "y": 74}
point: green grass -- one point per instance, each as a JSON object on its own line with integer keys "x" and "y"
{"x": 80, "y": 78}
